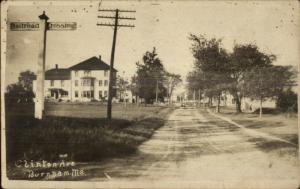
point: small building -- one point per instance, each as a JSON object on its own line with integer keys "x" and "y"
{"x": 247, "y": 104}
{"x": 85, "y": 81}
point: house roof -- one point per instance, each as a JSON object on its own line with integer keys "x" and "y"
{"x": 58, "y": 74}
{"x": 92, "y": 63}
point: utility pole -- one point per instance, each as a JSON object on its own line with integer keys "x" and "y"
{"x": 116, "y": 25}
{"x": 156, "y": 92}
{"x": 199, "y": 93}
{"x": 194, "y": 97}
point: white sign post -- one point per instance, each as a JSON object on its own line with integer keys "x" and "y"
{"x": 39, "y": 96}
{"x": 42, "y": 27}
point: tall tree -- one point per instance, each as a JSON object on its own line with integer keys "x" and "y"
{"x": 150, "y": 74}
{"x": 22, "y": 90}
{"x": 244, "y": 58}
{"x": 197, "y": 83}
{"x": 261, "y": 83}
{"x": 122, "y": 85}
{"x": 26, "y": 79}
{"x": 171, "y": 81}
{"x": 213, "y": 61}
{"x": 134, "y": 87}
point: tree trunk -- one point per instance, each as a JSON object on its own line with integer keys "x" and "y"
{"x": 260, "y": 108}
{"x": 136, "y": 100}
{"x": 199, "y": 98}
{"x": 156, "y": 92}
{"x": 238, "y": 103}
{"x": 218, "y": 104}
{"x": 194, "y": 98}
{"x": 225, "y": 99}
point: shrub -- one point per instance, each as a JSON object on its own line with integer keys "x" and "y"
{"x": 287, "y": 101}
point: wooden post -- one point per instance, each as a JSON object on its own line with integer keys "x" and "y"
{"x": 156, "y": 92}
{"x": 39, "y": 99}
{"x": 194, "y": 97}
{"x": 115, "y": 26}
{"x": 260, "y": 108}
{"x": 112, "y": 68}
{"x": 199, "y": 93}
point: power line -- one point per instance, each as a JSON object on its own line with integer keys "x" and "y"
{"x": 119, "y": 25}
{"x": 128, "y": 18}
{"x": 113, "y": 10}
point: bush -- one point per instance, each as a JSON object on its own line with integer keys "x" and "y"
{"x": 266, "y": 111}
{"x": 287, "y": 101}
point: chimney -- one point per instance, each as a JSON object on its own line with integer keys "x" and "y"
{"x": 56, "y": 66}
{"x": 99, "y": 57}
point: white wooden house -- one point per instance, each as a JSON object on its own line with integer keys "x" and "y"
{"x": 85, "y": 81}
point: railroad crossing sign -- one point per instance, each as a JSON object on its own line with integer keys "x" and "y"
{"x": 42, "y": 27}
{"x": 35, "y": 26}
{"x": 24, "y": 26}
{"x": 62, "y": 26}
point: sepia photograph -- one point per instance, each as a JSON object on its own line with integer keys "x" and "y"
{"x": 150, "y": 94}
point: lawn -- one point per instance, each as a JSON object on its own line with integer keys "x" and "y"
{"x": 78, "y": 131}
{"x": 98, "y": 110}
{"x": 281, "y": 125}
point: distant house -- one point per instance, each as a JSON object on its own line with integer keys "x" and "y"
{"x": 247, "y": 104}
{"x": 125, "y": 96}
{"x": 85, "y": 81}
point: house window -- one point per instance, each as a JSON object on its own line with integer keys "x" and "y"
{"x": 76, "y": 83}
{"x": 100, "y": 94}
{"x": 87, "y": 73}
{"x": 52, "y": 83}
{"x": 88, "y": 94}
{"x": 76, "y": 94}
{"x": 76, "y": 73}
{"x": 64, "y": 93}
{"x": 105, "y": 93}
{"x": 100, "y": 83}
{"x": 105, "y": 83}
{"x": 87, "y": 82}
{"x": 105, "y": 73}
{"x": 62, "y": 83}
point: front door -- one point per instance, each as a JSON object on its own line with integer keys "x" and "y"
{"x": 56, "y": 94}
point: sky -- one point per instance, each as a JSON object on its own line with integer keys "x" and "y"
{"x": 272, "y": 25}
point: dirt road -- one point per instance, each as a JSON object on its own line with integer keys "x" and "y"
{"x": 197, "y": 149}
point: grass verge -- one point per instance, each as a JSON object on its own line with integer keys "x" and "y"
{"x": 276, "y": 124}
{"x": 78, "y": 139}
